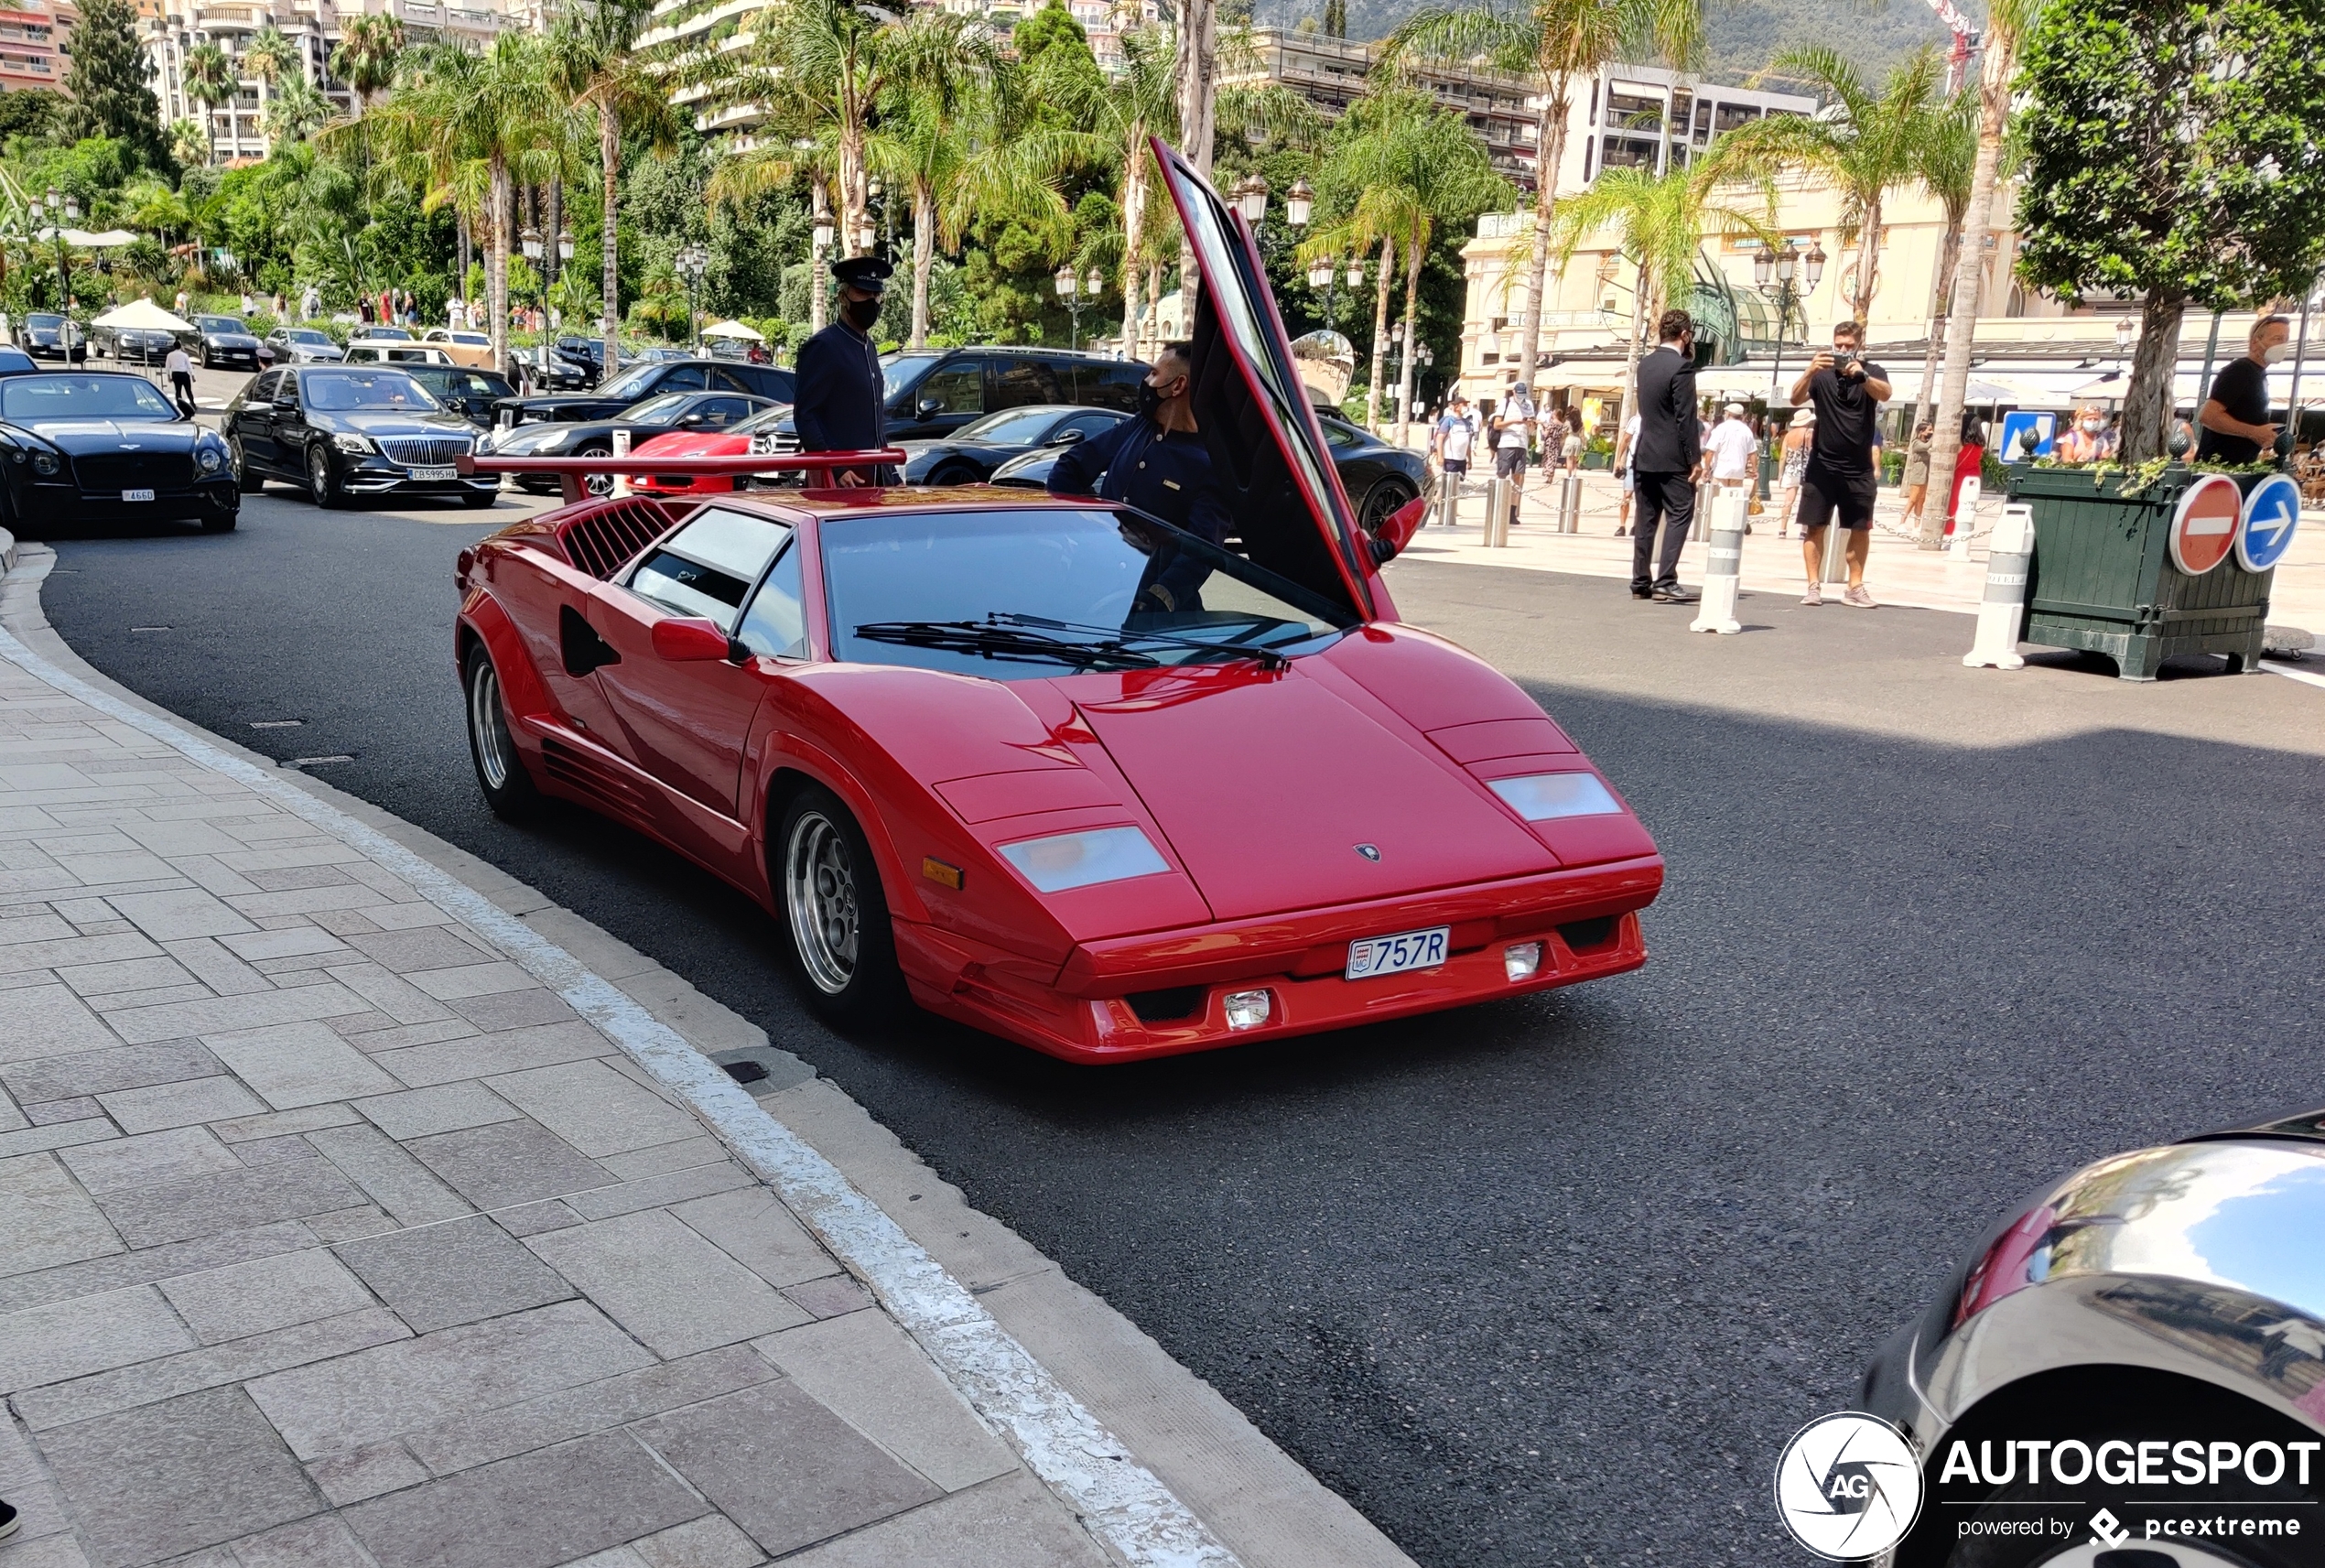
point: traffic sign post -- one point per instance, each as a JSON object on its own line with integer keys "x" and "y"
{"x": 2264, "y": 531}
{"x": 2205, "y": 523}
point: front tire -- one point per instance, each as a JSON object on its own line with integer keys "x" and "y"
{"x": 836, "y": 927}
{"x": 219, "y": 522}
{"x": 1381, "y": 502}
{"x": 508, "y": 789}
{"x": 322, "y": 481}
{"x": 476, "y": 500}
{"x": 597, "y": 484}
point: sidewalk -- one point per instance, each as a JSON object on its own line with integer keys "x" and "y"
{"x": 346, "y": 1218}
{"x": 1898, "y": 572}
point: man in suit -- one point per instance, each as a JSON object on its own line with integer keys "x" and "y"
{"x": 1666, "y": 455}
{"x": 839, "y": 405}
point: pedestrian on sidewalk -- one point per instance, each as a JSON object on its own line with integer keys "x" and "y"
{"x": 2088, "y": 439}
{"x": 1513, "y": 429}
{"x": 2232, "y": 426}
{"x": 1732, "y": 450}
{"x": 1668, "y": 459}
{"x": 1626, "y": 449}
{"x": 1570, "y": 446}
{"x": 1792, "y": 456}
{"x": 1449, "y": 445}
{"x": 181, "y": 378}
{"x": 1916, "y": 471}
{"x": 1839, "y": 481}
{"x": 1970, "y": 457}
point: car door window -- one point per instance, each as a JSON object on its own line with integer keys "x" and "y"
{"x": 720, "y": 412}
{"x": 1019, "y": 382}
{"x": 708, "y": 566}
{"x": 776, "y": 625}
{"x": 1087, "y": 424}
{"x": 956, "y": 387}
{"x": 683, "y": 378}
{"x": 263, "y": 390}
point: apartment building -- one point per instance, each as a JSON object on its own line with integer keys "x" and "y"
{"x": 32, "y": 37}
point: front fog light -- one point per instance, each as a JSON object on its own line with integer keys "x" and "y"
{"x": 1247, "y": 1010}
{"x": 1521, "y": 960}
{"x": 44, "y": 462}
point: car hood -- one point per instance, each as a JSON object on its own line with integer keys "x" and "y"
{"x": 81, "y": 435}
{"x": 692, "y": 444}
{"x": 229, "y": 340}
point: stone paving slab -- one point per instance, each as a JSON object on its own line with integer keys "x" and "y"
{"x": 329, "y": 1236}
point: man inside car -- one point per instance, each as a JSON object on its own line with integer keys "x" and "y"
{"x": 1158, "y": 463}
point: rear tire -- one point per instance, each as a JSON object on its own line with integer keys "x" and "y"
{"x": 956, "y": 473}
{"x": 476, "y": 500}
{"x": 508, "y": 789}
{"x": 837, "y": 935}
{"x": 1381, "y": 502}
{"x": 219, "y": 522}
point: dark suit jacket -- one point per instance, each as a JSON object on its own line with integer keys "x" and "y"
{"x": 1670, "y": 436}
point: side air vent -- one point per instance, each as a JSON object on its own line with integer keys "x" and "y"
{"x": 603, "y": 539}
{"x": 582, "y": 774}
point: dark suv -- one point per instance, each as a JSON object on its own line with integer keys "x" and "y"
{"x": 934, "y": 392}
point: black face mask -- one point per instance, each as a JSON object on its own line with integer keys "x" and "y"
{"x": 862, "y": 313}
{"x": 1150, "y": 398}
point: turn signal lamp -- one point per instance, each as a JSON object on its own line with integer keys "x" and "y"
{"x": 1248, "y": 1010}
{"x": 1542, "y": 797}
{"x": 1522, "y": 960}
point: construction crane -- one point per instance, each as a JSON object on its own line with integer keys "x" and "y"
{"x": 1965, "y": 44}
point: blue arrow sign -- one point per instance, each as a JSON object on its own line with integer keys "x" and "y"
{"x": 2272, "y": 512}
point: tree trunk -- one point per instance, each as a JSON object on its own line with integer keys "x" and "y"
{"x": 1632, "y": 348}
{"x": 1949, "y": 258}
{"x": 1961, "y": 315}
{"x": 923, "y": 257}
{"x": 1197, "y": 70}
{"x": 1133, "y": 220}
{"x": 1868, "y": 262}
{"x": 496, "y": 265}
{"x": 1379, "y": 336}
{"x": 1549, "y": 140}
{"x": 1413, "y": 308}
{"x": 1154, "y": 292}
{"x": 609, "y": 166}
{"x": 851, "y": 185}
{"x": 2148, "y": 403}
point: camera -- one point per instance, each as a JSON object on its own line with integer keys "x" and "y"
{"x": 1843, "y": 359}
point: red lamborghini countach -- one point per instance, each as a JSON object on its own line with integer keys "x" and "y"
{"x": 927, "y": 730}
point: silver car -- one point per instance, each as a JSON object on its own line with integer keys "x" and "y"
{"x": 303, "y": 346}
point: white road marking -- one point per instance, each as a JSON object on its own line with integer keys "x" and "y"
{"x": 2273, "y": 667}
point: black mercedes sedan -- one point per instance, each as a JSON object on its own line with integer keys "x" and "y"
{"x": 470, "y": 394}
{"x": 103, "y": 444}
{"x": 643, "y": 381}
{"x": 709, "y": 412}
{"x": 44, "y": 335}
{"x": 227, "y": 343}
{"x": 1378, "y": 477}
{"x": 971, "y": 453}
{"x": 345, "y": 431}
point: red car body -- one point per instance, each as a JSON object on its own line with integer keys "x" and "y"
{"x": 1298, "y": 804}
{"x": 693, "y": 444}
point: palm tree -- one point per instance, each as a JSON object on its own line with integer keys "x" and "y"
{"x": 298, "y": 111}
{"x": 210, "y": 81}
{"x": 1943, "y": 164}
{"x": 268, "y": 57}
{"x": 627, "y": 94}
{"x": 367, "y": 54}
{"x": 2009, "y": 22}
{"x": 1868, "y": 146}
{"x": 1560, "y": 45}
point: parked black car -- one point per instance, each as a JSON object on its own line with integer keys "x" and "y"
{"x": 590, "y": 352}
{"x": 1378, "y": 477}
{"x": 641, "y": 381}
{"x": 470, "y": 394}
{"x": 705, "y": 411}
{"x": 931, "y": 393}
{"x": 45, "y": 334}
{"x": 972, "y": 452}
{"x": 15, "y": 362}
{"x": 344, "y": 431}
{"x": 131, "y": 345}
{"x": 82, "y": 444}
{"x": 227, "y": 341}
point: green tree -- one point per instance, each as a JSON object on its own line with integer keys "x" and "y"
{"x": 2173, "y": 149}
{"x": 298, "y": 112}
{"x": 1867, "y": 145}
{"x": 1560, "y": 45}
{"x": 110, "y": 81}
{"x": 29, "y": 112}
{"x": 369, "y": 49}
{"x": 1050, "y": 25}
{"x": 269, "y": 56}
{"x": 1140, "y": 101}
{"x": 607, "y": 81}
{"x": 210, "y": 80}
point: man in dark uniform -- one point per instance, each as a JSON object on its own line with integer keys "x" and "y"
{"x": 841, "y": 402}
{"x": 1158, "y": 463}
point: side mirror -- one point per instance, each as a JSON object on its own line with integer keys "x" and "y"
{"x": 931, "y": 407}
{"x": 1396, "y": 530}
{"x": 687, "y": 639}
{"x": 691, "y": 422}
{"x": 1067, "y": 438}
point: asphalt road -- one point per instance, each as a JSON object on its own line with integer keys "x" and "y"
{"x": 1546, "y": 1282}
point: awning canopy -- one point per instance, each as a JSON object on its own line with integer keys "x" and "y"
{"x": 104, "y": 240}
{"x": 143, "y": 314}
{"x": 733, "y": 330}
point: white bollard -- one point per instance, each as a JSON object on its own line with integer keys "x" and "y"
{"x": 1716, "y": 612}
{"x": 1966, "y": 515}
{"x": 1570, "y": 504}
{"x": 2005, "y": 607}
{"x": 1497, "y": 493}
{"x": 622, "y": 450}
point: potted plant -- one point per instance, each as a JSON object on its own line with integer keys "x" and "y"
{"x": 2173, "y": 151}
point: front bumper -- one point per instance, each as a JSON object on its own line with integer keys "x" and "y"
{"x": 376, "y": 475}
{"x": 1165, "y": 993}
{"x": 233, "y": 357}
{"x": 67, "y": 503}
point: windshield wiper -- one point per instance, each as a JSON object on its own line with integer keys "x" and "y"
{"x": 997, "y": 642}
{"x": 1116, "y": 637}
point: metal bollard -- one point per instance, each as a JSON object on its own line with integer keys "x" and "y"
{"x": 1703, "y": 526}
{"x": 1834, "y": 566}
{"x": 1716, "y": 611}
{"x": 622, "y": 450}
{"x": 1497, "y": 512}
{"x": 2004, "y": 611}
{"x": 1448, "y": 500}
{"x": 1966, "y": 515}
{"x": 1570, "y": 504}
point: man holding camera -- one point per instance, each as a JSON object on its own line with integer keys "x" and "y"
{"x": 1847, "y": 390}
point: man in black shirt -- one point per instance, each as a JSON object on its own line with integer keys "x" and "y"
{"x": 2235, "y": 419}
{"x": 1847, "y": 391}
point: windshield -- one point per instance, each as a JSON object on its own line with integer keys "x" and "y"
{"x": 444, "y": 379}
{"x": 1014, "y": 428}
{"x": 631, "y": 382}
{"x": 368, "y": 392}
{"x": 221, "y": 324}
{"x": 1098, "y": 572}
{"x": 900, "y": 372}
{"x": 26, "y": 399}
{"x": 766, "y": 419}
{"x": 305, "y": 335}
{"x": 52, "y": 322}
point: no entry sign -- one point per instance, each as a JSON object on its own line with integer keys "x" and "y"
{"x": 2204, "y": 528}
{"x": 2271, "y": 512}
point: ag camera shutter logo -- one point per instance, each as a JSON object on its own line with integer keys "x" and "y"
{"x": 1848, "y": 1487}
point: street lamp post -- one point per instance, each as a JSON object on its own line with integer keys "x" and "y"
{"x": 68, "y": 210}
{"x": 693, "y": 261}
{"x": 820, "y": 238}
{"x": 1069, "y": 284}
{"x": 1774, "y": 276}
{"x": 529, "y": 241}
{"x": 1250, "y": 199}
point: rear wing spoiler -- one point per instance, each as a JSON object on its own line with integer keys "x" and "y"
{"x": 570, "y": 472}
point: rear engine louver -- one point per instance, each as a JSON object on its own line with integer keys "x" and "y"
{"x": 605, "y": 537}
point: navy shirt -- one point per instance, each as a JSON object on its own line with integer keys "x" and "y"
{"x": 840, "y": 401}
{"x": 1166, "y": 474}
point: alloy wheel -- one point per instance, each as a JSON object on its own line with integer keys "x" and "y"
{"x": 819, "y": 895}
{"x": 487, "y": 725}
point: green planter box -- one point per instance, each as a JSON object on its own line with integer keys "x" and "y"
{"x": 1593, "y": 459}
{"x": 2102, "y": 578}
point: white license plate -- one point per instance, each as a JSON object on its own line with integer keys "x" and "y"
{"x": 1395, "y": 954}
{"x": 436, "y": 473}
{"x": 137, "y": 495}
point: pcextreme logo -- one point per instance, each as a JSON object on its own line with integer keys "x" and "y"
{"x": 1848, "y": 1485}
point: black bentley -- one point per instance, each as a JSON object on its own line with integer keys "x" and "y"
{"x": 77, "y": 445}
{"x": 227, "y": 341}
{"x": 705, "y": 411}
{"x": 344, "y": 431}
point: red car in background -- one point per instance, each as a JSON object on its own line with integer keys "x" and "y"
{"x": 731, "y": 442}
{"x": 930, "y": 731}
